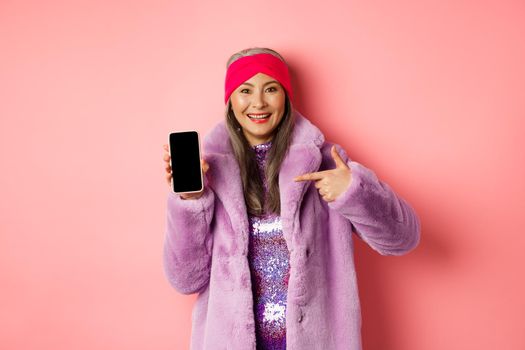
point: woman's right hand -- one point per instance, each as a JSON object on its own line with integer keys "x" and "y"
{"x": 167, "y": 158}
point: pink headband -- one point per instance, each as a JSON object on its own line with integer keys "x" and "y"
{"x": 247, "y": 66}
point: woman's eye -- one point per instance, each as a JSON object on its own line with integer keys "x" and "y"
{"x": 270, "y": 89}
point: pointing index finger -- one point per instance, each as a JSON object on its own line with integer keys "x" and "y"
{"x": 310, "y": 176}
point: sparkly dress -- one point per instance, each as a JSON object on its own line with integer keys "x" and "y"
{"x": 269, "y": 264}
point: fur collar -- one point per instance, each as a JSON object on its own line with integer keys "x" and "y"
{"x": 304, "y": 156}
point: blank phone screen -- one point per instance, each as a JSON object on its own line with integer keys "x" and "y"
{"x": 185, "y": 161}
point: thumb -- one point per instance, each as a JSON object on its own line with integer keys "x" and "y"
{"x": 205, "y": 166}
{"x": 339, "y": 162}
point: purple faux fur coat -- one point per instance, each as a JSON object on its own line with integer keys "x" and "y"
{"x": 206, "y": 246}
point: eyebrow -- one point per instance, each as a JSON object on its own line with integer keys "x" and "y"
{"x": 269, "y": 82}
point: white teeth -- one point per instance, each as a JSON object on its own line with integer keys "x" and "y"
{"x": 262, "y": 116}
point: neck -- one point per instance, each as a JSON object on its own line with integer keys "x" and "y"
{"x": 256, "y": 142}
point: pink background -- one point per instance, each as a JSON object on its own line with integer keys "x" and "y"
{"x": 428, "y": 94}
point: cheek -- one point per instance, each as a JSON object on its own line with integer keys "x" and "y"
{"x": 238, "y": 103}
{"x": 279, "y": 100}
{"x": 279, "y": 105}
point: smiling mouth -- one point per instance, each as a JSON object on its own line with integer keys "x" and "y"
{"x": 259, "y": 116}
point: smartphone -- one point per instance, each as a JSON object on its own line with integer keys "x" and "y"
{"x": 186, "y": 167}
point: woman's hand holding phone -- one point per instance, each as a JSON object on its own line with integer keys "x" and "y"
{"x": 169, "y": 175}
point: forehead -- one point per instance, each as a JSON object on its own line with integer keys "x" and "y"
{"x": 259, "y": 78}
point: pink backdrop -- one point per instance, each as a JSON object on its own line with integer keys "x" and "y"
{"x": 429, "y": 94}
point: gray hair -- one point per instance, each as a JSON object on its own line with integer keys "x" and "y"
{"x": 253, "y": 51}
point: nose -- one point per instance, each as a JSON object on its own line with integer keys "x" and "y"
{"x": 258, "y": 100}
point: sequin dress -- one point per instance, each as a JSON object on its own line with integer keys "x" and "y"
{"x": 269, "y": 264}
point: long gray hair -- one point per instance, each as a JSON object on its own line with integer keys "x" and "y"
{"x": 251, "y": 181}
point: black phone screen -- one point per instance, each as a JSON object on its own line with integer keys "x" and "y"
{"x": 185, "y": 161}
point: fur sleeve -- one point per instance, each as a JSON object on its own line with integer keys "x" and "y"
{"x": 188, "y": 241}
{"x": 381, "y": 218}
